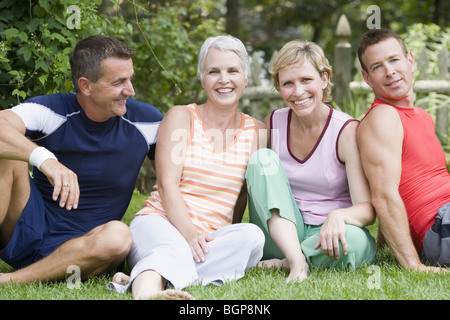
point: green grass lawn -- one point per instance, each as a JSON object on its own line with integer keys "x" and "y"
{"x": 385, "y": 280}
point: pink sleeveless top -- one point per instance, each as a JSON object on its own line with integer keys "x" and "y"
{"x": 318, "y": 182}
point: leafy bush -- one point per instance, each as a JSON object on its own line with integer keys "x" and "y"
{"x": 35, "y": 42}
{"x": 167, "y": 40}
{"x": 36, "y": 39}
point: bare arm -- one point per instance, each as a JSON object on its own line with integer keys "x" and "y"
{"x": 241, "y": 203}
{"x": 380, "y": 139}
{"x": 13, "y": 143}
{"x": 173, "y": 135}
{"x": 361, "y": 213}
{"x": 15, "y": 146}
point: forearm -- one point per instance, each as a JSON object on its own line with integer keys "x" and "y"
{"x": 361, "y": 214}
{"x": 13, "y": 144}
{"x": 176, "y": 211}
{"x": 395, "y": 228}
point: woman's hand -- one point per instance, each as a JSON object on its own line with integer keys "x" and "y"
{"x": 198, "y": 243}
{"x": 333, "y": 231}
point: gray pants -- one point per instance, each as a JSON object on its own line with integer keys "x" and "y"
{"x": 159, "y": 246}
{"x": 436, "y": 244}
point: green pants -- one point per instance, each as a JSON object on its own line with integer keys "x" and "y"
{"x": 269, "y": 188}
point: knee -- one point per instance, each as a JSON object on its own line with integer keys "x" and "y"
{"x": 360, "y": 243}
{"x": 253, "y": 236}
{"x": 114, "y": 241}
{"x": 259, "y": 236}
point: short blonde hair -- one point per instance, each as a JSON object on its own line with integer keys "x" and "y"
{"x": 295, "y": 52}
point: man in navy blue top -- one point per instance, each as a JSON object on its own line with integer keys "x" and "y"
{"x": 86, "y": 149}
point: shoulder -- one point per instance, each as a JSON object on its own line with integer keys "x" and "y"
{"x": 178, "y": 117}
{"x": 53, "y": 98}
{"x": 381, "y": 132}
{"x": 349, "y": 129}
{"x": 343, "y": 122}
{"x": 61, "y": 103}
{"x": 277, "y": 116}
{"x": 346, "y": 143}
{"x": 280, "y": 112}
{"x": 258, "y": 124}
{"x": 142, "y": 111}
{"x": 380, "y": 119}
{"x": 180, "y": 111}
{"x": 380, "y": 112}
{"x": 46, "y": 113}
{"x": 340, "y": 115}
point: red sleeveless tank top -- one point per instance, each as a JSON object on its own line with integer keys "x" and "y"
{"x": 425, "y": 181}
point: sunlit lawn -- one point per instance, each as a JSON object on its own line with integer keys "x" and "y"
{"x": 384, "y": 280}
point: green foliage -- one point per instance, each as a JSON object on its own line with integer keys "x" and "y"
{"x": 35, "y": 42}
{"x": 167, "y": 40}
{"x": 429, "y": 38}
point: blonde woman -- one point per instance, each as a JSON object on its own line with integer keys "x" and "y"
{"x": 308, "y": 193}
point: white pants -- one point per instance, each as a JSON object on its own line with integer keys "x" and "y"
{"x": 159, "y": 246}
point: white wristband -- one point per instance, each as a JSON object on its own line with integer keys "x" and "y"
{"x": 39, "y": 155}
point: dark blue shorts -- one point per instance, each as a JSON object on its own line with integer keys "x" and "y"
{"x": 38, "y": 233}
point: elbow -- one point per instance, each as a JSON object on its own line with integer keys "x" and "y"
{"x": 371, "y": 215}
{"x": 385, "y": 202}
{"x": 166, "y": 188}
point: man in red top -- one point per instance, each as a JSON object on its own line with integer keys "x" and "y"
{"x": 402, "y": 158}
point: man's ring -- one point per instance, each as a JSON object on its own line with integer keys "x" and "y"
{"x": 65, "y": 185}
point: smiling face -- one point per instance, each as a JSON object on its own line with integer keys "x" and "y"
{"x": 301, "y": 87}
{"x": 107, "y": 96}
{"x": 223, "y": 78}
{"x": 389, "y": 72}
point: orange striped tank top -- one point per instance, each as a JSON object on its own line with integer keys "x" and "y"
{"x": 211, "y": 181}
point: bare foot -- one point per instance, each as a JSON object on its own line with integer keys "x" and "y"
{"x": 273, "y": 263}
{"x": 298, "y": 274}
{"x": 5, "y": 278}
{"x": 150, "y": 285}
{"x": 168, "y": 294}
{"x": 121, "y": 278}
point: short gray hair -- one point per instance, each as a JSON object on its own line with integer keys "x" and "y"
{"x": 223, "y": 43}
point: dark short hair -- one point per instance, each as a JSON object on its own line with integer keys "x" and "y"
{"x": 375, "y": 36}
{"x": 86, "y": 57}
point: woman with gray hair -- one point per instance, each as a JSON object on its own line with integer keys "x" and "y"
{"x": 186, "y": 232}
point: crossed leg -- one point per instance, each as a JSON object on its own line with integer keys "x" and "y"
{"x": 100, "y": 250}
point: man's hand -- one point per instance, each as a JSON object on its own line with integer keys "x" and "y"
{"x": 422, "y": 267}
{"x": 64, "y": 181}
